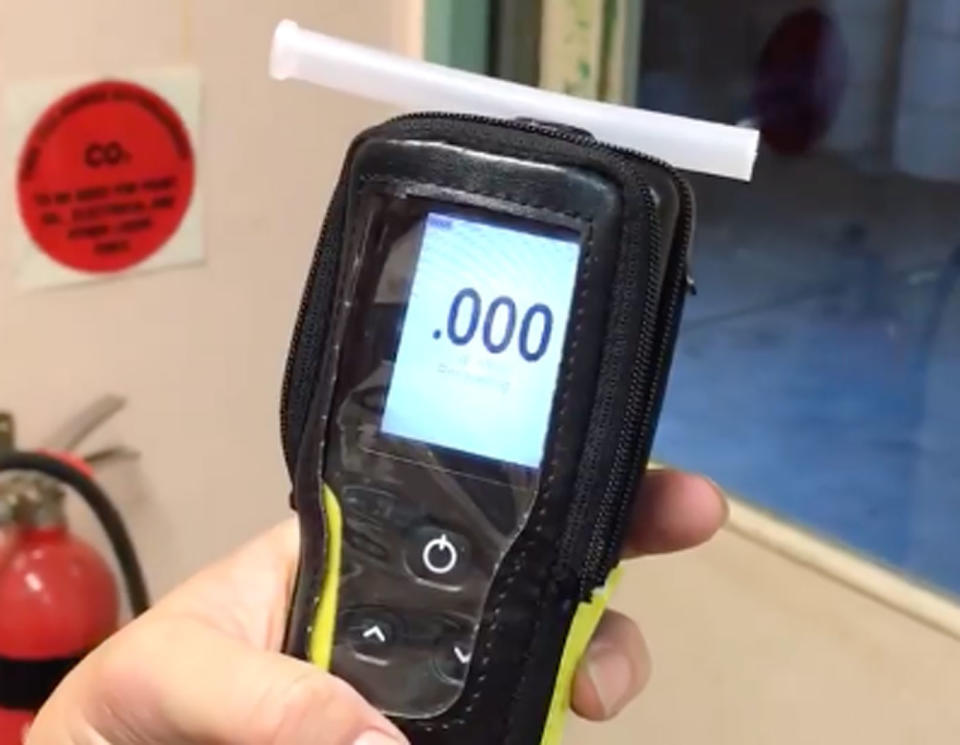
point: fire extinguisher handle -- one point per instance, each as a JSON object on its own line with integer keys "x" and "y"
{"x": 102, "y": 507}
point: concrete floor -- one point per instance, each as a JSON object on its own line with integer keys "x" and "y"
{"x": 817, "y": 368}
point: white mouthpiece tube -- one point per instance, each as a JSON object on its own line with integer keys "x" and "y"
{"x": 688, "y": 144}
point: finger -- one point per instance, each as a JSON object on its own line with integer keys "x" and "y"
{"x": 180, "y": 681}
{"x": 674, "y": 511}
{"x": 615, "y": 668}
{"x": 245, "y": 594}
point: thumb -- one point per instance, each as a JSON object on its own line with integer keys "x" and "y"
{"x": 176, "y": 680}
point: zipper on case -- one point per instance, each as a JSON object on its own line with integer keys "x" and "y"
{"x": 296, "y": 390}
{"x": 573, "y": 553}
{"x": 601, "y": 554}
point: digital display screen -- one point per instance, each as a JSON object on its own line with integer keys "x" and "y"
{"x": 482, "y": 339}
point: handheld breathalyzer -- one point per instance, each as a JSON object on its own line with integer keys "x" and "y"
{"x": 472, "y": 390}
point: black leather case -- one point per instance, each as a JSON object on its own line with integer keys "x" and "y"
{"x": 637, "y": 217}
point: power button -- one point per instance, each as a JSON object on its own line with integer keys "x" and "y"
{"x": 438, "y": 555}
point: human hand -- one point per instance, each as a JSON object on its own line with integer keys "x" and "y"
{"x": 203, "y": 665}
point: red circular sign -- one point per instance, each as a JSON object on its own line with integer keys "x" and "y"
{"x": 105, "y": 177}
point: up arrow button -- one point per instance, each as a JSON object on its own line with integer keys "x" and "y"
{"x": 375, "y": 632}
{"x": 372, "y": 633}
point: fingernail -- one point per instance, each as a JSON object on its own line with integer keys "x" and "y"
{"x": 723, "y": 497}
{"x": 375, "y": 737}
{"x": 716, "y": 487}
{"x": 611, "y": 673}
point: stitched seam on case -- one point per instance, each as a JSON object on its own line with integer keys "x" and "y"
{"x": 518, "y": 563}
{"x": 383, "y": 178}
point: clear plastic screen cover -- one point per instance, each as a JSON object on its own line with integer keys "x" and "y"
{"x": 445, "y": 384}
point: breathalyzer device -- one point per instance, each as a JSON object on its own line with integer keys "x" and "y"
{"x": 471, "y": 393}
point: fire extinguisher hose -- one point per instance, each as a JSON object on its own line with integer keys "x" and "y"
{"x": 102, "y": 508}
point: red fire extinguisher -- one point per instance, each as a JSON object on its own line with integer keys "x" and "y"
{"x": 58, "y": 597}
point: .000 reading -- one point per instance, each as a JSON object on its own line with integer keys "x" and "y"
{"x": 467, "y": 302}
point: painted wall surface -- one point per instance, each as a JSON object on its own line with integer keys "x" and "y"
{"x": 749, "y": 648}
{"x": 198, "y": 352}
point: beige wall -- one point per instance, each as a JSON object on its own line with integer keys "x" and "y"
{"x": 749, "y": 647}
{"x": 198, "y": 352}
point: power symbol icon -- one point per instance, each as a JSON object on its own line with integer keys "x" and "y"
{"x": 440, "y": 556}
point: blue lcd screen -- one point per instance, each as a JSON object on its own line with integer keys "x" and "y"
{"x": 482, "y": 339}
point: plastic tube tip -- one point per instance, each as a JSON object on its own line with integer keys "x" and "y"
{"x": 283, "y": 59}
